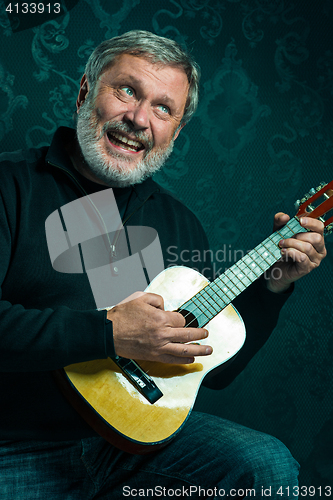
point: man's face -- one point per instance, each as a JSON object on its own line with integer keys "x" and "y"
{"x": 126, "y": 130}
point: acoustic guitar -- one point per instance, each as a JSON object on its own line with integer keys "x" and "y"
{"x": 140, "y": 406}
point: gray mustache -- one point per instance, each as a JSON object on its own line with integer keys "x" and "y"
{"x": 123, "y": 127}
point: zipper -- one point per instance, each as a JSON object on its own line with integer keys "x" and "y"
{"x": 70, "y": 175}
{"x": 112, "y": 246}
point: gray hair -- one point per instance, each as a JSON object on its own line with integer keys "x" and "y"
{"x": 156, "y": 49}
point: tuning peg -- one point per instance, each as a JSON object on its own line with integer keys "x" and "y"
{"x": 321, "y": 185}
{"x": 312, "y": 191}
{"x": 298, "y": 203}
{"x": 328, "y": 229}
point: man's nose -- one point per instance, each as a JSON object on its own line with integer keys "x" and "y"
{"x": 138, "y": 115}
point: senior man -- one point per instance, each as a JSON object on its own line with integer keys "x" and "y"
{"x": 138, "y": 92}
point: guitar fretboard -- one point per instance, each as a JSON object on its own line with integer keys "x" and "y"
{"x": 212, "y": 299}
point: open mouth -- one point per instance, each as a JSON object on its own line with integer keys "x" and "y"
{"x": 123, "y": 142}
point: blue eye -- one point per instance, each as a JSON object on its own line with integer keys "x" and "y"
{"x": 163, "y": 108}
{"x": 128, "y": 91}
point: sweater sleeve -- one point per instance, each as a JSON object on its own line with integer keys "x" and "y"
{"x": 260, "y": 310}
{"x": 37, "y": 340}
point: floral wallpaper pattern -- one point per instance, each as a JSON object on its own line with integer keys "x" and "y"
{"x": 262, "y": 137}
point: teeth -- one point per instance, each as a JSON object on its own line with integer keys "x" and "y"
{"x": 124, "y": 139}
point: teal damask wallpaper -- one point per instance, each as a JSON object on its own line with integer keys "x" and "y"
{"x": 262, "y": 137}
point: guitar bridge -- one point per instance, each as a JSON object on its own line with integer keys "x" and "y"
{"x": 139, "y": 378}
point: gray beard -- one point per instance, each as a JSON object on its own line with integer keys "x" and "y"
{"x": 107, "y": 168}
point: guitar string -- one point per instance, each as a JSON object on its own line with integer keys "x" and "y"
{"x": 230, "y": 269}
{"x": 261, "y": 256}
{"x": 225, "y": 302}
{"x": 200, "y": 293}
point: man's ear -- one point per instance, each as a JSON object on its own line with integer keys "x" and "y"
{"x": 84, "y": 89}
{"x": 176, "y": 134}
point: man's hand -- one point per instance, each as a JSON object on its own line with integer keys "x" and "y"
{"x": 143, "y": 330}
{"x": 299, "y": 255}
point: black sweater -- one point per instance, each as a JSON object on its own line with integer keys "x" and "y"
{"x": 49, "y": 319}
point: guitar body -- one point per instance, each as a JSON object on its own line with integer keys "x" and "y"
{"x": 118, "y": 411}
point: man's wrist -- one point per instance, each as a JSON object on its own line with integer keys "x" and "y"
{"x": 277, "y": 286}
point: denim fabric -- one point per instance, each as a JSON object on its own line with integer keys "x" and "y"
{"x": 209, "y": 458}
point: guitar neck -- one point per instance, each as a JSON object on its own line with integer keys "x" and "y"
{"x": 212, "y": 299}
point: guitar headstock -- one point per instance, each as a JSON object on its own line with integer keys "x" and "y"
{"x": 318, "y": 203}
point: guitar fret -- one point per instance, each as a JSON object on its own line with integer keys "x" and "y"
{"x": 294, "y": 222}
{"x": 247, "y": 271}
{"x": 241, "y": 276}
{"x": 238, "y": 286}
{"x": 255, "y": 255}
{"x": 196, "y": 298}
{"x": 226, "y": 289}
{"x": 211, "y": 300}
{"x": 277, "y": 248}
{"x": 251, "y": 265}
{"x": 228, "y": 296}
{"x": 268, "y": 255}
{"x": 217, "y": 290}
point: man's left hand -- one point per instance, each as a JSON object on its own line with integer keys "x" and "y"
{"x": 299, "y": 255}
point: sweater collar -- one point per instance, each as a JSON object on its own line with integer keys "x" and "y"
{"x": 57, "y": 155}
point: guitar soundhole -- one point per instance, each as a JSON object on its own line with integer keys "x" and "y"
{"x": 190, "y": 319}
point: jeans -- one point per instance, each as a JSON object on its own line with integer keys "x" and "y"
{"x": 209, "y": 458}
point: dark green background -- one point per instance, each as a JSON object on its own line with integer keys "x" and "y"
{"x": 262, "y": 137}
